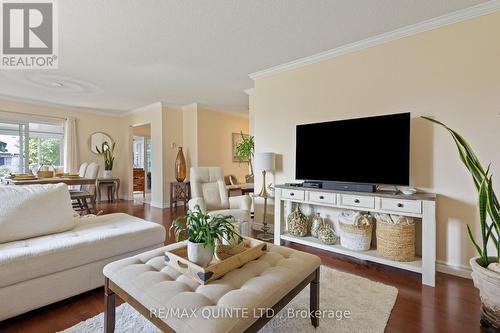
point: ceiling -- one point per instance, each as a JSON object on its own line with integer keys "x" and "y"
{"x": 117, "y": 55}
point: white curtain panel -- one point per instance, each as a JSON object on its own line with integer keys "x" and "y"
{"x": 70, "y": 149}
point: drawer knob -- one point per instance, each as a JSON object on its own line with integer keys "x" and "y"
{"x": 321, "y": 197}
{"x": 356, "y": 200}
{"x": 292, "y": 194}
{"x": 400, "y": 205}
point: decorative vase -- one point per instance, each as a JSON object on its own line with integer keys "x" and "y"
{"x": 180, "y": 166}
{"x": 327, "y": 235}
{"x": 297, "y": 223}
{"x": 488, "y": 283}
{"x": 316, "y": 224}
{"x": 107, "y": 174}
{"x": 199, "y": 253}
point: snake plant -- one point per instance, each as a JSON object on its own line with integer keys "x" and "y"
{"x": 107, "y": 154}
{"x": 487, "y": 205}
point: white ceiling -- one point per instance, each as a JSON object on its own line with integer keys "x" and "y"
{"x": 117, "y": 55}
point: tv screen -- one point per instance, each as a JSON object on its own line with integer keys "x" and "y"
{"x": 373, "y": 150}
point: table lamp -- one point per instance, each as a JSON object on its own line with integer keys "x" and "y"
{"x": 264, "y": 162}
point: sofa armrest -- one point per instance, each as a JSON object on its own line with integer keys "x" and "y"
{"x": 192, "y": 203}
{"x": 240, "y": 202}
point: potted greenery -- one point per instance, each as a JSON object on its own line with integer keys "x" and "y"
{"x": 245, "y": 152}
{"x": 485, "y": 268}
{"x": 202, "y": 232}
{"x": 107, "y": 154}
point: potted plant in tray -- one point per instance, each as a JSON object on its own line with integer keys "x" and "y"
{"x": 485, "y": 268}
{"x": 107, "y": 154}
{"x": 202, "y": 232}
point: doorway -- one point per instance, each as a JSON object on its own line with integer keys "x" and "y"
{"x": 141, "y": 163}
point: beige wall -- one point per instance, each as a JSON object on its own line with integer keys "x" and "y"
{"x": 190, "y": 135}
{"x": 142, "y": 130}
{"x": 172, "y": 139}
{"x": 207, "y": 139}
{"x": 452, "y": 73}
{"x": 151, "y": 115}
{"x": 215, "y": 141}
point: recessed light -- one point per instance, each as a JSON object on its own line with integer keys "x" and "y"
{"x": 57, "y": 84}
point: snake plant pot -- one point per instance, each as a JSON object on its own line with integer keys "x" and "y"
{"x": 488, "y": 283}
{"x": 200, "y": 254}
{"x": 107, "y": 174}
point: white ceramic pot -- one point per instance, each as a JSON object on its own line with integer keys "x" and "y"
{"x": 107, "y": 174}
{"x": 488, "y": 283}
{"x": 199, "y": 254}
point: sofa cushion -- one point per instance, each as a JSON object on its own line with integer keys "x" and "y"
{"x": 35, "y": 210}
{"x": 93, "y": 239}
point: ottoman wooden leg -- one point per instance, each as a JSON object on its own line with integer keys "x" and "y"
{"x": 109, "y": 308}
{"x": 314, "y": 299}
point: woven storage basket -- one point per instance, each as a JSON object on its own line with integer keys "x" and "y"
{"x": 396, "y": 241}
{"x": 355, "y": 237}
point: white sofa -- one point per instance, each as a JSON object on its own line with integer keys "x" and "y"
{"x": 48, "y": 254}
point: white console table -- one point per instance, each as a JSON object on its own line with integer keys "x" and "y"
{"x": 420, "y": 205}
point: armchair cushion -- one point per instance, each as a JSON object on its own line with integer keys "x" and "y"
{"x": 240, "y": 202}
{"x": 197, "y": 202}
{"x": 208, "y": 183}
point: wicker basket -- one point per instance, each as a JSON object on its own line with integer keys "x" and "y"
{"x": 396, "y": 241}
{"x": 355, "y": 237}
{"x": 46, "y": 173}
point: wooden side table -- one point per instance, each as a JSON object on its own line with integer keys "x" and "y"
{"x": 112, "y": 185}
{"x": 179, "y": 191}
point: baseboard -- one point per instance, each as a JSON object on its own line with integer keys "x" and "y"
{"x": 457, "y": 270}
{"x": 160, "y": 205}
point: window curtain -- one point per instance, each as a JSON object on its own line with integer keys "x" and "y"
{"x": 70, "y": 149}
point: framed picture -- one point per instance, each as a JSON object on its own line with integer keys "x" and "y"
{"x": 236, "y": 141}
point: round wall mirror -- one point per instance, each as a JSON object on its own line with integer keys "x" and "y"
{"x": 97, "y": 139}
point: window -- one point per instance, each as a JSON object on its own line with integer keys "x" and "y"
{"x": 24, "y": 145}
{"x": 45, "y": 144}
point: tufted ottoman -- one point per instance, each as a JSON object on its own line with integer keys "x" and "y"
{"x": 242, "y": 300}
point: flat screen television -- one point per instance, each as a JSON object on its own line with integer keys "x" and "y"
{"x": 373, "y": 150}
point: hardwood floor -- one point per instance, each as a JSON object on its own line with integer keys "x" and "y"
{"x": 453, "y": 306}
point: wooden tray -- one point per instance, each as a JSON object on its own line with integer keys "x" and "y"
{"x": 178, "y": 260}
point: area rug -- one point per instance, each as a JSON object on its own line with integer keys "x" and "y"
{"x": 349, "y": 303}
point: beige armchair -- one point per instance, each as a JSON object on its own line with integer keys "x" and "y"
{"x": 208, "y": 191}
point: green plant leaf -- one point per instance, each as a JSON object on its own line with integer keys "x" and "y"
{"x": 473, "y": 241}
{"x": 488, "y": 204}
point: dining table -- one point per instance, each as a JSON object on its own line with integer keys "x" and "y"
{"x": 53, "y": 180}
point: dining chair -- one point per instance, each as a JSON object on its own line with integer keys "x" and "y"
{"x": 81, "y": 173}
{"x": 87, "y": 192}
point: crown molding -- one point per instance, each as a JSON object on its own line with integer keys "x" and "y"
{"x": 141, "y": 109}
{"x": 64, "y": 107}
{"x": 410, "y": 30}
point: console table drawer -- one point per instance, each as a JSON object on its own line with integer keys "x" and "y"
{"x": 404, "y": 206}
{"x": 293, "y": 194}
{"x": 322, "y": 197}
{"x": 359, "y": 201}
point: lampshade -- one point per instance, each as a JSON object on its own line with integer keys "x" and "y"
{"x": 265, "y": 161}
